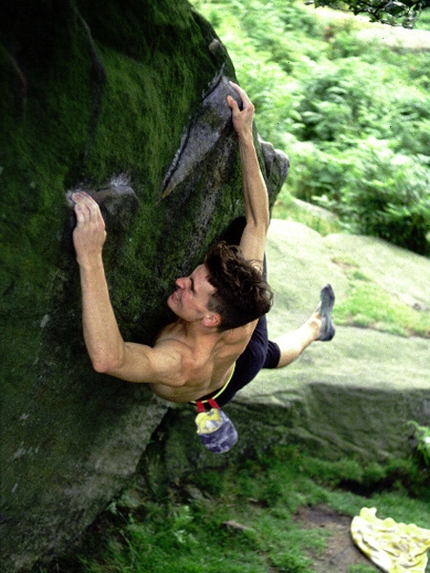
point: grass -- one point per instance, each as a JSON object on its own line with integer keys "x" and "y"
{"x": 369, "y": 305}
{"x": 240, "y": 518}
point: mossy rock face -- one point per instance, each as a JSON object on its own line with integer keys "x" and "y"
{"x": 97, "y": 96}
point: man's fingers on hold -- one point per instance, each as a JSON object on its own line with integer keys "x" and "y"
{"x": 241, "y": 92}
{"x": 232, "y": 103}
{"x": 83, "y": 198}
{"x": 80, "y": 217}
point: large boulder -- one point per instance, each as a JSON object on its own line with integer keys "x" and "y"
{"x": 125, "y": 99}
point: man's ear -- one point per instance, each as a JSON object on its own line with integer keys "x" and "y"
{"x": 212, "y": 320}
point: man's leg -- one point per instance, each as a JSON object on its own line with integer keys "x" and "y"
{"x": 318, "y": 327}
{"x": 292, "y": 344}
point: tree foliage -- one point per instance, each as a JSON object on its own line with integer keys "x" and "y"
{"x": 394, "y": 12}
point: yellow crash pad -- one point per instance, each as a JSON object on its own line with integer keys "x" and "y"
{"x": 394, "y": 547}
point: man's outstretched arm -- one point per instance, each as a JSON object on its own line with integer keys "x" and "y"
{"x": 255, "y": 194}
{"x": 108, "y": 352}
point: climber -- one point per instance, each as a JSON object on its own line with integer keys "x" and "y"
{"x": 219, "y": 342}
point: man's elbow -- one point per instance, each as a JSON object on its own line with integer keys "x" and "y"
{"x": 105, "y": 366}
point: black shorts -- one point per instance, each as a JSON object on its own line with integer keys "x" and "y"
{"x": 260, "y": 353}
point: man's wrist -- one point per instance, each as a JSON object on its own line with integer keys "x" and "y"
{"x": 246, "y": 139}
{"x": 90, "y": 264}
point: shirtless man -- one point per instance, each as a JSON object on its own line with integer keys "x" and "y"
{"x": 218, "y": 342}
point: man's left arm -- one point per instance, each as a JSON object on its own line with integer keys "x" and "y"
{"x": 256, "y": 201}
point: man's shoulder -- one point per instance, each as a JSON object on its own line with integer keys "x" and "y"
{"x": 241, "y": 333}
{"x": 171, "y": 338}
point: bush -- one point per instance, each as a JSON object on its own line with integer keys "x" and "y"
{"x": 387, "y": 196}
{"x": 343, "y": 103}
{"x": 316, "y": 176}
{"x": 373, "y": 190}
{"x": 422, "y": 436}
{"x": 410, "y": 124}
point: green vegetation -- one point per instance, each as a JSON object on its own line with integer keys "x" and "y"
{"x": 352, "y": 113}
{"x": 369, "y": 305}
{"x": 422, "y": 436}
{"x": 243, "y": 517}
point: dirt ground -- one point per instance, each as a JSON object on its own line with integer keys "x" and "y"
{"x": 340, "y": 552}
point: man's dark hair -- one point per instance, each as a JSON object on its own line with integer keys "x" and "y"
{"x": 242, "y": 295}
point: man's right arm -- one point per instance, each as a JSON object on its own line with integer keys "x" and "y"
{"x": 108, "y": 352}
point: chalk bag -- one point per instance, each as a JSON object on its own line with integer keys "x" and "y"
{"x": 214, "y": 428}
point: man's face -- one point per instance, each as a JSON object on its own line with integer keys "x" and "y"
{"x": 190, "y": 299}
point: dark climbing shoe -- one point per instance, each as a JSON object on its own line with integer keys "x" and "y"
{"x": 325, "y": 307}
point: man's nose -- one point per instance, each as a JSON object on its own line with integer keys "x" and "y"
{"x": 181, "y": 282}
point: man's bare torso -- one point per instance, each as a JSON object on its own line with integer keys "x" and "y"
{"x": 207, "y": 361}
